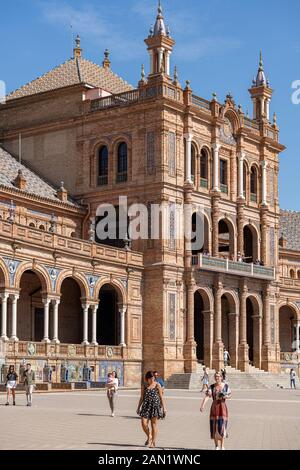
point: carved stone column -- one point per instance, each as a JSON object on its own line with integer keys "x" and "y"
{"x": 218, "y": 346}
{"x": 243, "y": 349}
{"x": 189, "y": 350}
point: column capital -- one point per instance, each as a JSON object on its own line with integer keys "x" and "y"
{"x": 85, "y": 305}
{"x": 4, "y": 295}
{"x": 241, "y": 155}
{"x": 15, "y": 297}
{"x": 188, "y": 136}
{"x": 216, "y": 146}
{"x": 55, "y": 301}
{"x": 264, "y": 164}
{"x": 46, "y": 300}
{"x": 122, "y": 309}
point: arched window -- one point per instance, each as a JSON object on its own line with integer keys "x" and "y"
{"x": 122, "y": 163}
{"x": 253, "y": 184}
{"x": 42, "y": 227}
{"x": 298, "y": 274}
{"x": 204, "y": 169}
{"x": 103, "y": 166}
{"x": 31, "y": 225}
{"x": 292, "y": 274}
{"x": 193, "y": 164}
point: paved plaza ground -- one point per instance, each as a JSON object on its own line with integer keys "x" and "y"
{"x": 259, "y": 419}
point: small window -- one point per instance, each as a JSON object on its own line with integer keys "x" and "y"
{"x": 122, "y": 163}
{"x": 193, "y": 164}
{"x": 292, "y": 274}
{"x": 223, "y": 176}
{"x": 253, "y": 184}
{"x": 298, "y": 274}
{"x": 103, "y": 166}
{"x": 42, "y": 227}
{"x": 204, "y": 167}
{"x": 31, "y": 225}
{"x": 244, "y": 178}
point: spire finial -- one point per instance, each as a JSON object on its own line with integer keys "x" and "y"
{"x": 77, "y": 48}
{"x": 143, "y": 73}
{"x": 261, "y": 64}
{"x": 106, "y": 62}
{"x": 175, "y": 80}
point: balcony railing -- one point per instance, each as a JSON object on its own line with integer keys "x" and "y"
{"x": 253, "y": 197}
{"x": 204, "y": 183}
{"x": 232, "y": 267}
{"x": 197, "y": 101}
{"x": 102, "y": 180}
{"x": 249, "y": 123}
{"x": 224, "y": 188}
{"x": 122, "y": 177}
{"x": 120, "y": 99}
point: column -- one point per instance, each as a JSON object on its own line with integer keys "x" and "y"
{"x": 216, "y": 167}
{"x": 167, "y": 54}
{"x": 243, "y": 349}
{"x": 264, "y": 166}
{"x": 122, "y": 311}
{"x": 218, "y": 347}
{"x": 189, "y": 350}
{"x": 4, "y": 296}
{"x": 85, "y": 308}
{"x": 208, "y": 336}
{"x": 56, "y": 303}
{"x": 151, "y": 62}
{"x": 297, "y": 336}
{"x": 188, "y": 157}
{"x": 15, "y": 298}
{"x": 241, "y": 176}
{"x": 46, "y": 303}
{"x": 266, "y": 316}
{"x": 215, "y": 224}
{"x": 190, "y": 313}
{"x": 94, "y": 324}
{"x": 160, "y": 58}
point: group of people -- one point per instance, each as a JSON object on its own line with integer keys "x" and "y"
{"x": 28, "y": 379}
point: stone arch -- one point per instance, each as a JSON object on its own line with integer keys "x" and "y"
{"x": 39, "y": 270}
{"x": 78, "y": 277}
{"x": 4, "y": 275}
{"x": 116, "y": 284}
{"x": 233, "y": 117}
{"x": 289, "y": 317}
{"x": 109, "y": 312}
{"x": 205, "y": 233}
{"x": 226, "y": 238}
{"x": 250, "y": 243}
{"x": 103, "y": 142}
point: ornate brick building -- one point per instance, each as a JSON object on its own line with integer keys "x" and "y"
{"x": 69, "y": 301}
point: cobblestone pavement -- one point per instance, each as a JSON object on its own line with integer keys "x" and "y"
{"x": 258, "y": 419}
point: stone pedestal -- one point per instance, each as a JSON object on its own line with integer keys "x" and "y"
{"x": 190, "y": 358}
{"x": 218, "y": 356}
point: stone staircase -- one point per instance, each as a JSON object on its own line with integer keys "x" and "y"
{"x": 254, "y": 379}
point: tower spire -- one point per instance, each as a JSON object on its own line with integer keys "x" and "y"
{"x": 77, "y": 49}
{"x": 261, "y": 93}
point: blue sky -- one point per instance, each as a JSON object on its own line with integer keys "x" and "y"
{"x": 217, "y": 49}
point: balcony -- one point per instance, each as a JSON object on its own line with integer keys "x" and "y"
{"x": 253, "y": 197}
{"x": 233, "y": 267}
{"x": 102, "y": 180}
{"x": 224, "y": 188}
{"x": 122, "y": 177}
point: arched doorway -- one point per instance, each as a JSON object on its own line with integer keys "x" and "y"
{"x": 70, "y": 314}
{"x": 199, "y": 325}
{"x": 287, "y": 329}
{"x": 30, "y": 318}
{"x": 230, "y": 326}
{"x": 226, "y": 238}
{"x": 250, "y": 244}
{"x": 108, "y": 318}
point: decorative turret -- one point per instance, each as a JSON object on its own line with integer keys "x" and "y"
{"x": 106, "y": 62}
{"x": 160, "y": 46}
{"x": 20, "y": 181}
{"x": 62, "y": 193}
{"x": 261, "y": 93}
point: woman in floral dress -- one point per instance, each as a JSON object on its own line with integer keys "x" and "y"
{"x": 219, "y": 392}
{"x": 151, "y": 407}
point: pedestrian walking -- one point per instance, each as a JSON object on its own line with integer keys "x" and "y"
{"x": 205, "y": 380}
{"x": 151, "y": 407}
{"x": 159, "y": 380}
{"x": 112, "y": 385}
{"x": 11, "y": 384}
{"x": 223, "y": 373}
{"x": 219, "y": 392}
{"x": 29, "y": 382}
{"x": 293, "y": 378}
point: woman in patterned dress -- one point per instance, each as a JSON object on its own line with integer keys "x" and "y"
{"x": 219, "y": 392}
{"x": 151, "y": 407}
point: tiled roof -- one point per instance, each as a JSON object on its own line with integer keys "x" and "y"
{"x": 73, "y": 72}
{"x": 35, "y": 185}
{"x": 290, "y": 229}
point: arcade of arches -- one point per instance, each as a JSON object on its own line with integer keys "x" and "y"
{"x": 31, "y": 315}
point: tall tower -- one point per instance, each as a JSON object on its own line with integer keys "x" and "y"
{"x": 160, "y": 46}
{"x": 261, "y": 94}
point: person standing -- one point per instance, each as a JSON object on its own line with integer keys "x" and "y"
{"x": 159, "y": 380}
{"x": 29, "y": 382}
{"x": 11, "y": 384}
{"x": 112, "y": 386}
{"x": 151, "y": 407}
{"x": 205, "y": 380}
{"x": 293, "y": 378}
{"x": 226, "y": 357}
{"x": 219, "y": 392}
